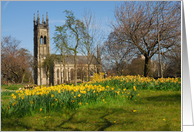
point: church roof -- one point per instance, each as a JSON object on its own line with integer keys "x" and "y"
{"x": 80, "y": 59}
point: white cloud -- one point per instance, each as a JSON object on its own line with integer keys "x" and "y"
{"x": 5, "y": 5}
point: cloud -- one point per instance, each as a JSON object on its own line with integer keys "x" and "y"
{"x": 5, "y": 5}
{"x": 57, "y": 21}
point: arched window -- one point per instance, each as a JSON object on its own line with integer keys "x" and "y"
{"x": 57, "y": 73}
{"x": 44, "y": 39}
{"x": 41, "y": 40}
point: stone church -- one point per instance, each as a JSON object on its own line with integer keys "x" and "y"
{"x": 59, "y": 75}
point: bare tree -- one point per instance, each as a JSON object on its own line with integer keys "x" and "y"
{"x": 24, "y": 59}
{"x": 117, "y": 53}
{"x": 173, "y": 63}
{"x": 77, "y": 32}
{"x": 61, "y": 45}
{"x": 15, "y": 61}
{"x": 92, "y": 31}
{"x": 136, "y": 24}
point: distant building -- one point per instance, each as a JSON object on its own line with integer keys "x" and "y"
{"x": 42, "y": 48}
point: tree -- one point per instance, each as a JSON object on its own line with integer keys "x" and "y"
{"x": 48, "y": 65}
{"x": 61, "y": 45}
{"x": 173, "y": 63}
{"x": 15, "y": 61}
{"x": 92, "y": 37}
{"x": 136, "y": 24}
{"x": 77, "y": 31}
{"x": 24, "y": 60}
{"x": 117, "y": 53}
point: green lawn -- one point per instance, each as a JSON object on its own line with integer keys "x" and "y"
{"x": 150, "y": 111}
{"x": 12, "y": 87}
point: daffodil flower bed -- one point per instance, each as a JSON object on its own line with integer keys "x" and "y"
{"x": 55, "y": 98}
{"x": 146, "y": 83}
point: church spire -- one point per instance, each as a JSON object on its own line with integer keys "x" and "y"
{"x": 47, "y": 18}
{"x": 42, "y": 19}
{"x": 34, "y": 19}
{"x": 38, "y": 16}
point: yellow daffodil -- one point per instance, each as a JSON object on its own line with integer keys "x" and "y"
{"x": 134, "y": 88}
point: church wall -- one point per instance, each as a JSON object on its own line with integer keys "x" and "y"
{"x": 57, "y": 79}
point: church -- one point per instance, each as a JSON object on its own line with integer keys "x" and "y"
{"x": 59, "y": 74}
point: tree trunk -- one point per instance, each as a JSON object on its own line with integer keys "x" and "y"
{"x": 64, "y": 62}
{"x": 146, "y": 66}
{"x": 88, "y": 79}
{"x": 75, "y": 68}
{"x": 23, "y": 75}
{"x": 117, "y": 68}
{"x": 61, "y": 68}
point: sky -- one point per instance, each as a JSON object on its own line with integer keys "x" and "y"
{"x": 17, "y": 17}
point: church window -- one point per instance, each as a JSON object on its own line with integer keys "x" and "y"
{"x": 57, "y": 72}
{"x": 44, "y": 39}
{"x": 41, "y": 40}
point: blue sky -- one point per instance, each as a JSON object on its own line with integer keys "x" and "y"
{"x": 17, "y": 17}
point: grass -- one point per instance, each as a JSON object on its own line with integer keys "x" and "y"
{"x": 155, "y": 111}
{"x": 12, "y": 86}
{"x": 5, "y": 97}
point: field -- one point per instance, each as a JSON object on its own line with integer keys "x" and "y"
{"x": 130, "y": 103}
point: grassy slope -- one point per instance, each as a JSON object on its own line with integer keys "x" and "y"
{"x": 152, "y": 108}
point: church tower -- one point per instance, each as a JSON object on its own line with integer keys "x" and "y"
{"x": 41, "y": 48}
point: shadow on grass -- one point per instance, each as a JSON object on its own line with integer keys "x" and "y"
{"x": 13, "y": 124}
{"x": 97, "y": 114}
{"x": 168, "y": 98}
{"x": 165, "y": 127}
